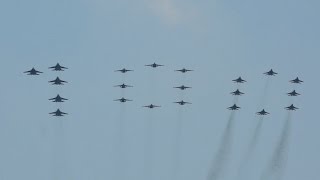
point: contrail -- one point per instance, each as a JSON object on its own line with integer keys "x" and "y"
{"x": 221, "y": 158}
{"x": 276, "y": 167}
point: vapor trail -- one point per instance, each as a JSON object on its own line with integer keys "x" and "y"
{"x": 277, "y": 165}
{"x": 221, "y": 158}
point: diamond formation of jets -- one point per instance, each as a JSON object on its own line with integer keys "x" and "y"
{"x": 270, "y": 73}
{"x": 183, "y": 87}
{"x": 239, "y": 80}
{"x": 58, "y": 98}
{"x": 291, "y": 108}
{"x": 237, "y": 93}
{"x": 234, "y": 107}
{"x": 296, "y": 81}
{"x": 58, "y": 113}
{"x": 293, "y": 93}
{"x": 182, "y": 102}
{"x": 33, "y": 71}
{"x": 123, "y": 85}
{"x": 154, "y": 65}
{"x": 151, "y": 106}
{"x": 58, "y": 67}
{"x": 122, "y": 100}
{"x": 262, "y": 113}
{"x": 124, "y": 70}
{"x": 57, "y": 81}
{"x": 184, "y": 70}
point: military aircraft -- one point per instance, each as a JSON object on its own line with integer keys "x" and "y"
{"x": 33, "y": 71}
{"x": 263, "y": 113}
{"x": 293, "y": 93}
{"x": 182, "y": 87}
{"x": 182, "y": 102}
{"x": 234, "y": 107}
{"x": 184, "y": 70}
{"x": 291, "y": 108}
{"x": 58, "y": 67}
{"x": 296, "y": 80}
{"x": 237, "y": 93}
{"x": 122, "y": 100}
{"x": 123, "y": 86}
{"x": 154, "y": 65}
{"x": 58, "y": 113}
{"x": 58, "y": 98}
{"x": 58, "y": 81}
{"x": 239, "y": 80}
{"x": 270, "y": 73}
{"x": 151, "y": 106}
{"x": 124, "y": 70}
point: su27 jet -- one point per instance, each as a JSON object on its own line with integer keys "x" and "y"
{"x": 151, "y": 106}
{"x": 262, "y": 113}
{"x": 58, "y": 98}
{"x": 58, "y": 81}
{"x": 124, "y": 70}
{"x": 33, "y": 71}
{"x": 182, "y": 102}
{"x": 58, "y": 113}
{"x": 184, "y": 70}
{"x": 296, "y": 81}
{"x": 154, "y": 65}
{"x": 58, "y": 67}
{"x": 237, "y": 93}
{"x": 293, "y": 93}
{"x": 291, "y": 108}
{"x": 182, "y": 87}
{"x": 270, "y": 73}
{"x": 122, "y": 100}
{"x": 234, "y": 107}
{"x": 239, "y": 80}
{"x": 123, "y": 86}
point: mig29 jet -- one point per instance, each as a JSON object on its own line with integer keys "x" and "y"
{"x": 184, "y": 70}
{"x": 57, "y": 81}
{"x": 293, "y": 93}
{"x": 234, "y": 107}
{"x": 237, "y": 93}
{"x": 58, "y": 113}
{"x": 270, "y": 73}
{"x": 183, "y": 87}
{"x": 296, "y": 81}
{"x": 239, "y": 80}
{"x": 123, "y": 85}
{"x": 154, "y": 65}
{"x": 291, "y": 108}
{"x": 262, "y": 113}
{"x": 151, "y": 106}
{"x": 122, "y": 100}
{"x": 182, "y": 102}
{"x": 33, "y": 71}
{"x": 124, "y": 70}
{"x": 58, "y": 67}
{"x": 58, "y": 98}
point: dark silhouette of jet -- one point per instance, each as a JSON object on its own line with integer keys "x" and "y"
{"x": 57, "y": 81}
{"x": 58, "y": 98}
{"x": 270, "y": 73}
{"x": 182, "y": 102}
{"x": 124, "y": 70}
{"x": 182, "y": 87}
{"x": 293, "y": 93}
{"x": 291, "y": 108}
{"x": 122, "y": 100}
{"x": 234, "y": 107}
{"x": 154, "y": 65}
{"x": 296, "y": 81}
{"x": 263, "y": 113}
{"x": 151, "y": 106}
{"x": 123, "y": 85}
{"x": 58, "y": 67}
{"x": 239, "y": 80}
{"x": 184, "y": 70}
{"x": 237, "y": 93}
{"x": 58, "y": 113}
{"x": 33, "y": 71}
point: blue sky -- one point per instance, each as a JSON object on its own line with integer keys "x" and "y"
{"x": 220, "y": 40}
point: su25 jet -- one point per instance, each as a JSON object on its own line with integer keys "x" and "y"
{"x": 182, "y": 102}
{"x": 58, "y": 113}
{"x": 58, "y": 67}
{"x": 293, "y": 93}
{"x": 237, "y": 93}
{"x": 58, "y": 98}
{"x": 296, "y": 81}
{"x": 184, "y": 70}
{"x": 123, "y": 86}
{"x": 270, "y": 73}
{"x": 154, "y": 65}
{"x": 239, "y": 80}
{"x": 234, "y": 107}
{"x": 122, "y": 100}
{"x": 58, "y": 81}
{"x": 262, "y": 113}
{"x": 33, "y": 71}
{"x": 151, "y": 106}
{"x": 291, "y": 108}
{"x": 182, "y": 87}
{"x": 124, "y": 70}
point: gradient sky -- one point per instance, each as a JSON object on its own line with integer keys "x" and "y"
{"x": 220, "y": 40}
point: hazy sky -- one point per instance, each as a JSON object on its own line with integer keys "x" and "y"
{"x": 220, "y": 40}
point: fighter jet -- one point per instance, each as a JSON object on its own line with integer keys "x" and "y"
{"x": 124, "y": 70}
{"x": 182, "y": 102}
{"x": 237, "y": 93}
{"x": 182, "y": 87}
{"x": 58, "y": 98}
{"x": 58, "y": 67}
{"x": 122, "y": 100}
{"x": 184, "y": 70}
{"x": 291, "y": 108}
{"x": 58, "y": 81}
{"x": 239, "y": 80}
{"x": 151, "y": 106}
{"x": 154, "y": 65}
{"x": 263, "y": 113}
{"x": 270, "y": 73}
{"x": 58, "y": 113}
{"x": 234, "y": 107}
{"x": 293, "y": 93}
{"x": 33, "y": 71}
{"x": 123, "y": 86}
{"x": 296, "y": 80}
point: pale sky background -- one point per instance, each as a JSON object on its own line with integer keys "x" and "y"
{"x": 220, "y": 40}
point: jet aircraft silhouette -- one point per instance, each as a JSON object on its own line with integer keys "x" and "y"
{"x": 58, "y": 81}
{"x": 234, "y": 107}
{"x": 154, "y": 65}
{"x": 239, "y": 80}
{"x": 33, "y": 71}
{"x": 293, "y": 93}
{"x": 183, "y": 87}
{"x": 263, "y": 113}
{"x": 237, "y": 93}
{"x": 58, "y": 113}
{"x": 58, "y": 98}
{"x": 58, "y": 67}
{"x": 270, "y": 73}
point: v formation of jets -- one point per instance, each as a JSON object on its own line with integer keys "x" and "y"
{"x": 234, "y": 107}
